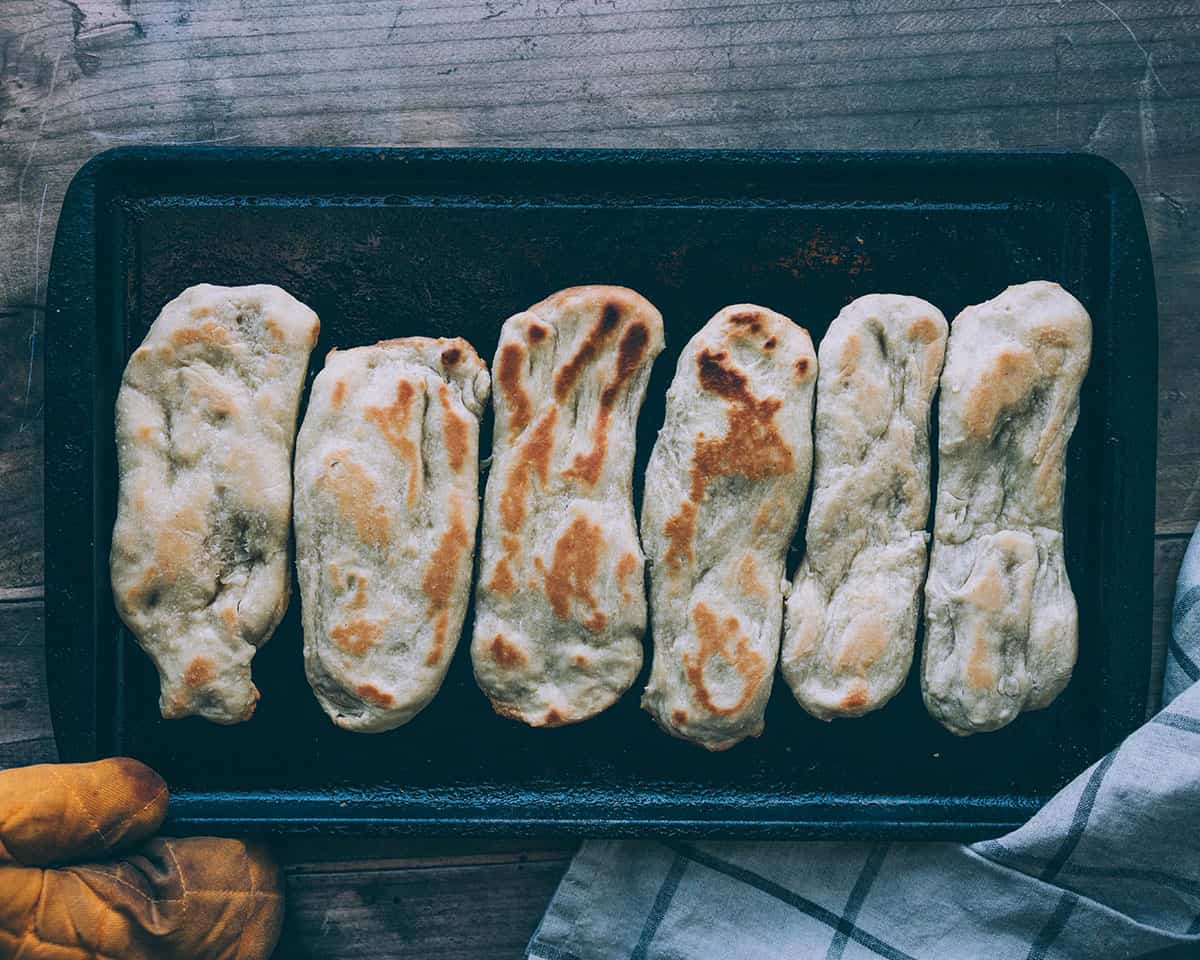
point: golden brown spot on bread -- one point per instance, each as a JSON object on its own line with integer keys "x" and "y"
{"x": 987, "y": 589}
{"x": 145, "y": 592}
{"x": 507, "y": 710}
{"x": 981, "y": 675}
{"x": 1053, "y": 336}
{"x": 596, "y": 622}
{"x": 715, "y": 377}
{"x": 629, "y": 355}
{"x": 864, "y": 642}
{"x": 218, "y": 402}
{"x": 354, "y": 491}
{"x": 440, "y": 626}
{"x": 229, "y": 617}
{"x": 1008, "y": 381}
{"x": 451, "y": 356}
{"x": 508, "y": 376}
{"x": 753, "y": 446}
{"x": 679, "y": 717}
{"x": 200, "y": 672}
{"x": 586, "y": 466}
{"x": 274, "y": 329}
{"x": 680, "y": 531}
{"x": 626, "y": 568}
{"x": 714, "y": 638}
{"x": 537, "y": 333}
{"x": 749, "y": 319}
{"x": 505, "y": 654}
{"x": 202, "y": 311}
{"x": 851, "y": 352}
{"x": 442, "y": 574}
{"x": 855, "y": 697}
{"x": 502, "y": 581}
{"x": 534, "y": 455}
{"x": 610, "y": 319}
{"x": 553, "y": 718}
{"x": 206, "y": 334}
{"x": 747, "y": 577}
{"x": 357, "y": 636}
{"x": 392, "y": 422}
{"x": 339, "y": 393}
{"x": 770, "y": 344}
{"x": 145, "y": 434}
{"x": 372, "y": 694}
{"x": 581, "y": 661}
{"x": 630, "y": 352}
{"x": 574, "y": 567}
{"x": 455, "y": 433}
{"x": 924, "y": 330}
{"x": 313, "y": 333}
{"x": 175, "y": 547}
{"x": 802, "y": 369}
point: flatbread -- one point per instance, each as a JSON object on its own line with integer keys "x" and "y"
{"x": 387, "y": 501}
{"x": 1001, "y": 622}
{"x": 724, "y": 489}
{"x": 206, "y": 416}
{"x": 852, "y": 613}
{"x": 560, "y": 604}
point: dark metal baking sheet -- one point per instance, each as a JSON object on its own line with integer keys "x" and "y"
{"x": 386, "y": 243}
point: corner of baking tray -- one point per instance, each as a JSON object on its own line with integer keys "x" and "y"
{"x": 98, "y": 166}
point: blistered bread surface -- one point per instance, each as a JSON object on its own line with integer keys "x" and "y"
{"x": 723, "y": 494}
{"x": 852, "y": 613}
{"x": 560, "y": 604}
{"x": 387, "y": 502}
{"x": 206, "y": 417}
{"x": 1001, "y": 621}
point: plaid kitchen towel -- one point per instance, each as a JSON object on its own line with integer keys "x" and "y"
{"x": 1108, "y": 868}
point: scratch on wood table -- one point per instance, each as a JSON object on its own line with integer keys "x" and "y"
{"x": 1120, "y": 78}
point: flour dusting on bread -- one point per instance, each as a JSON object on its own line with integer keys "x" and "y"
{"x": 206, "y": 417}
{"x": 560, "y": 605}
{"x": 723, "y": 493}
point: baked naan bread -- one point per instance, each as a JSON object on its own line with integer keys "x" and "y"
{"x": 724, "y": 489}
{"x": 560, "y": 606}
{"x": 206, "y": 417}
{"x": 852, "y": 613}
{"x": 387, "y": 500}
{"x": 1001, "y": 621}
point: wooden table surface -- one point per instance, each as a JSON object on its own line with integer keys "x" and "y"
{"x": 1120, "y": 78}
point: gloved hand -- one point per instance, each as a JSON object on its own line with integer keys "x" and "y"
{"x": 200, "y": 898}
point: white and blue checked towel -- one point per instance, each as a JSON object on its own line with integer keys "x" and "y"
{"x": 1108, "y": 868}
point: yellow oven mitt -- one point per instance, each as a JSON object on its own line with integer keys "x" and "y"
{"x": 199, "y": 898}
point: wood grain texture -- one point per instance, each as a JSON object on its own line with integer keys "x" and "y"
{"x": 437, "y": 908}
{"x": 1168, "y": 557}
{"x": 1120, "y": 78}
{"x": 25, "y": 734}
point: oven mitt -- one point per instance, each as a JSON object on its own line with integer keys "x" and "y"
{"x": 80, "y": 878}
